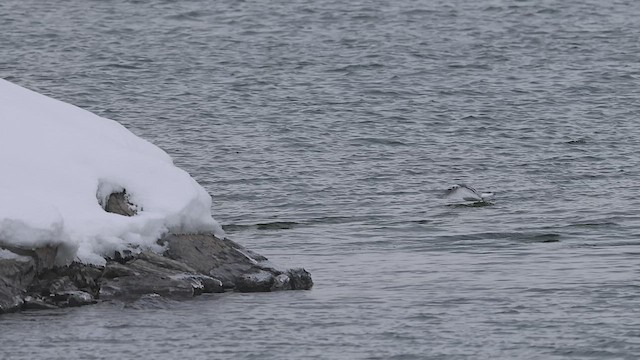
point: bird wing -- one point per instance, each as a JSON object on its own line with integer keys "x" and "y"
{"x": 464, "y": 192}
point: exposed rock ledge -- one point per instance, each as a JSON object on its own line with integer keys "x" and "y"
{"x": 192, "y": 265}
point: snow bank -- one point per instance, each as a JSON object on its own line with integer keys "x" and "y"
{"x": 58, "y": 161}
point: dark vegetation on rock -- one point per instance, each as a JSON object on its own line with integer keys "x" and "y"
{"x": 193, "y": 264}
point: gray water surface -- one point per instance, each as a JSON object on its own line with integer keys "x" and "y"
{"x": 326, "y": 133}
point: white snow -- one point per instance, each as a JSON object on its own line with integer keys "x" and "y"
{"x": 59, "y": 162}
{"x": 6, "y": 254}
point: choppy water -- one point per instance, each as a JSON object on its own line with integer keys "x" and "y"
{"x": 326, "y": 132}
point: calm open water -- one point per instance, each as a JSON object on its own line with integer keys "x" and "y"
{"x": 327, "y": 131}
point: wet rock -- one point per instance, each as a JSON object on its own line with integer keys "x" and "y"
{"x": 233, "y": 264}
{"x": 79, "y": 298}
{"x": 60, "y": 299}
{"x": 166, "y": 263}
{"x": 85, "y": 277}
{"x": 58, "y": 281}
{"x": 73, "y": 285}
{"x": 61, "y": 287}
{"x": 300, "y": 279}
{"x": 211, "y": 285}
{"x": 44, "y": 258}
{"x": 116, "y": 270}
{"x": 150, "y": 278}
{"x": 16, "y": 273}
{"x": 281, "y": 282}
{"x": 10, "y": 301}
{"x": 151, "y": 273}
{"x": 37, "y": 303}
{"x": 202, "y": 283}
{"x": 192, "y": 265}
{"x": 123, "y": 256}
{"x": 210, "y": 256}
{"x": 222, "y": 259}
{"x": 261, "y": 281}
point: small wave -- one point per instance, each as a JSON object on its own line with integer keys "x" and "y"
{"x": 544, "y": 238}
{"x": 545, "y": 290}
{"x": 422, "y": 221}
{"x": 594, "y": 224}
{"x": 388, "y": 93}
{"x": 276, "y": 225}
{"x": 469, "y": 66}
{"x": 380, "y": 141}
{"x": 472, "y": 205}
{"x": 335, "y": 220}
{"x": 415, "y": 12}
{"x": 189, "y": 15}
{"x": 493, "y": 8}
{"x": 121, "y": 66}
{"x": 285, "y": 225}
{"x": 548, "y": 11}
{"x": 236, "y": 227}
{"x": 356, "y": 67}
{"x": 533, "y": 237}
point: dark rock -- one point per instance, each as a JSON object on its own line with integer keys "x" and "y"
{"x": 192, "y": 265}
{"x": 79, "y": 298}
{"x": 115, "y": 270}
{"x": 211, "y": 285}
{"x": 150, "y": 278}
{"x": 37, "y": 303}
{"x": 64, "y": 279}
{"x": 61, "y": 287}
{"x": 44, "y": 257}
{"x": 118, "y": 203}
{"x": 167, "y": 263}
{"x": 123, "y": 256}
{"x": 64, "y": 287}
{"x": 16, "y": 273}
{"x": 61, "y": 299}
{"x": 261, "y": 281}
{"x": 203, "y": 283}
{"x": 209, "y": 255}
{"x": 300, "y": 279}
{"x": 281, "y": 282}
{"x": 233, "y": 264}
{"x": 85, "y": 276}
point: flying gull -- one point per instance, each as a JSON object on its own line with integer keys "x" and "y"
{"x": 467, "y": 193}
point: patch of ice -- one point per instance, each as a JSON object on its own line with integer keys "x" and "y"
{"x": 57, "y": 161}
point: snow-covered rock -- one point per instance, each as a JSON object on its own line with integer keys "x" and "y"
{"x": 59, "y": 163}
{"x": 90, "y": 212}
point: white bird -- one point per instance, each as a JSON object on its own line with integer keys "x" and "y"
{"x": 467, "y": 193}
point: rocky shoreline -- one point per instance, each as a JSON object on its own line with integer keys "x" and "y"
{"x": 193, "y": 264}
